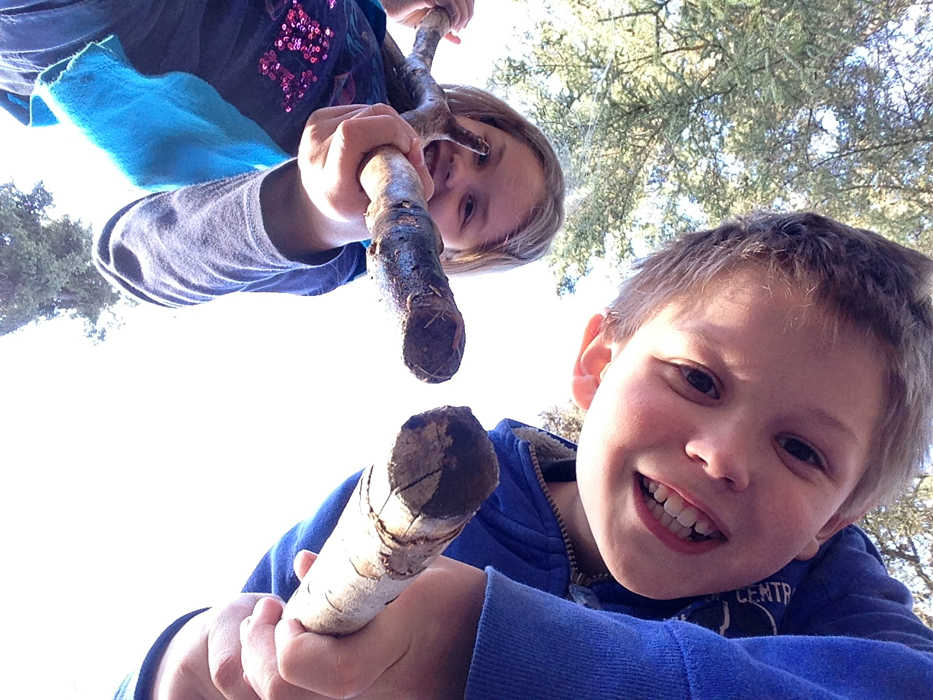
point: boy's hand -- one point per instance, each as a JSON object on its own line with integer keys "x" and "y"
{"x": 330, "y": 155}
{"x": 202, "y": 662}
{"x": 420, "y": 646}
{"x": 411, "y": 12}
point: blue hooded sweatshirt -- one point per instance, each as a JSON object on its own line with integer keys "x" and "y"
{"x": 835, "y": 626}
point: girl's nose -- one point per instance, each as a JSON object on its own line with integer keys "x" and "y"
{"x": 461, "y": 168}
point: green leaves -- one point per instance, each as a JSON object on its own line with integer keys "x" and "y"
{"x": 681, "y": 114}
{"x": 902, "y": 533}
{"x": 45, "y": 265}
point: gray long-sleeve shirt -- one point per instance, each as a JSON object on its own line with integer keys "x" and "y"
{"x": 199, "y": 242}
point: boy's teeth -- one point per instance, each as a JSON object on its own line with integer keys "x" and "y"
{"x": 674, "y": 514}
{"x": 674, "y": 504}
{"x": 687, "y": 517}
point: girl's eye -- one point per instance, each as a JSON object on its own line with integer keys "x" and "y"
{"x": 700, "y": 380}
{"x": 800, "y": 450}
{"x": 468, "y": 208}
{"x": 481, "y": 158}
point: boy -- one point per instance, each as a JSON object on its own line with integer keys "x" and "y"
{"x": 752, "y": 392}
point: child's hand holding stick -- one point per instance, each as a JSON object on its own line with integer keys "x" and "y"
{"x": 404, "y": 254}
{"x": 400, "y": 518}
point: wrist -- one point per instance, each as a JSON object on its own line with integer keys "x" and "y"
{"x": 285, "y": 220}
{"x": 293, "y": 224}
{"x": 392, "y": 8}
{"x": 183, "y": 669}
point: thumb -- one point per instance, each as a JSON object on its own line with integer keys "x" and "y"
{"x": 416, "y": 158}
{"x": 303, "y": 561}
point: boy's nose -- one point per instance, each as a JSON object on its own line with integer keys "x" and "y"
{"x": 721, "y": 457}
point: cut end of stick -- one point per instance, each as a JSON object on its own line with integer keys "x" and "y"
{"x": 434, "y": 341}
{"x": 457, "y": 480}
{"x": 401, "y": 516}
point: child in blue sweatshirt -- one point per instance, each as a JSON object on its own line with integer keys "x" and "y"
{"x": 753, "y": 390}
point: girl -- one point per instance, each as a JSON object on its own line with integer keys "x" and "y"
{"x": 295, "y": 228}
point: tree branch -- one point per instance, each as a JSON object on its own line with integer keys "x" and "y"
{"x": 403, "y": 258}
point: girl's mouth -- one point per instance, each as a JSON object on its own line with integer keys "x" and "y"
{"x": 683, "y": 519}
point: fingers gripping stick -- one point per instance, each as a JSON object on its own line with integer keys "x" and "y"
{"x": 404, "y": 255}
{"x": 400, "y": 517}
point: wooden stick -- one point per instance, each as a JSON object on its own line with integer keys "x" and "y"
{"x": 400, "y": 517}
{"x": 404, "y": 257}
{"x": 414, "y": 92}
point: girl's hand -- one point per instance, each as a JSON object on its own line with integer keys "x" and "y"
{"x": 420, "y": 646}
{"x": 411, "y": 12}
{"x": 331, "y": 153}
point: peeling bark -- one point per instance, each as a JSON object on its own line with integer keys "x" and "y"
{"x": 400, "y": 517}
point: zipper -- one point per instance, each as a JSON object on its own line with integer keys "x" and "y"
{"x": 578, "y": 579}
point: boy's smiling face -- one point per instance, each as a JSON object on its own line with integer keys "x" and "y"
{"x": 741, "y": 417}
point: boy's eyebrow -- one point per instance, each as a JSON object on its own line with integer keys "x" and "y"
{"x": 814, "y": 412}
{"x": 830, "y": 421}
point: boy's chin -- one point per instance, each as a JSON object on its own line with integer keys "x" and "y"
{"x": 656, "y": 588}
{"x": 667, "y": 590}
{"x": 658, "y": 583}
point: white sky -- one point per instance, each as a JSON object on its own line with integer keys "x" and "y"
{"x": 147, "y": 475}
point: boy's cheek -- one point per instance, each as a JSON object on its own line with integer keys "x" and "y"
{"x": 633, "y": 420}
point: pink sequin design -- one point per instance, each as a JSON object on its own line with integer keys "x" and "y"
{"x": 305, "y": 36}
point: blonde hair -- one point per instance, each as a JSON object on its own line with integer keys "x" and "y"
{"x": 532, "y": 238}
{"x": 865, "y": 282}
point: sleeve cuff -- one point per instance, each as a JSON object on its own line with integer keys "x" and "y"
{"x": 147, "y": 672}
{"x": 532, "y": 644}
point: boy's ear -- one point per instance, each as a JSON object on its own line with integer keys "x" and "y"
{"x": 832, "y": 526}
{"x": 594, "y": 356}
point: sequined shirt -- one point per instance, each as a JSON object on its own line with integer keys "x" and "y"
{"x": 274, "y": 60}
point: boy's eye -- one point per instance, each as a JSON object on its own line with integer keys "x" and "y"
{"x": 700, "y": 380}
{"x": 800, "y": 450}
{"x": 481, "y": 158}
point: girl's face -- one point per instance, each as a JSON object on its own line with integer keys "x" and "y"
{"x": 478, "y": 199}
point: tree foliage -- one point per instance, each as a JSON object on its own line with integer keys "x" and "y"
{"x": 673, "y": 114}
{"x": 902, "y": 531}
{"x": 45, "y": 265}
{"x": 565, "y": 420}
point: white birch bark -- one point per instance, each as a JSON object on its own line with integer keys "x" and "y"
{"x": 401, "y": 516}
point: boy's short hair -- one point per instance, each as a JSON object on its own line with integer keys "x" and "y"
{"x": 864, "y": 281}
{"x": 532, "y": 238}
